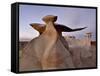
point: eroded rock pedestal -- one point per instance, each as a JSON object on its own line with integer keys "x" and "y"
{"x": 46, "y": 51}
{"x": 49, "y": 50}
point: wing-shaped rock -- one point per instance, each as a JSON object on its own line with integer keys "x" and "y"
{"x": 59, "y": 27}
{"x": 49, "y": 50}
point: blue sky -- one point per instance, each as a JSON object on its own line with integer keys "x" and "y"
{"x": 72, "y": 17}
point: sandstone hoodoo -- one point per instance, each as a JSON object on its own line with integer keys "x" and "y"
{"x": 49, "y": 50}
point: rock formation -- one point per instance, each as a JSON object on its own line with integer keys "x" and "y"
{"x": 49, "y": 50}
{"x": 81, "y": 50}
{"x": 59, "y": 27}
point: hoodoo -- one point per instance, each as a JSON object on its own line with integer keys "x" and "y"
{"x": 59, "y": 28}
{"x": 32, "y": 53}
{"x": 49, "y": 50}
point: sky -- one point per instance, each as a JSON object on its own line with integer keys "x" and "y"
{"x": 69, "y": 16}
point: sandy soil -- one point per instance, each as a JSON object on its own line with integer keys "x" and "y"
{"x": 78, "y": 60}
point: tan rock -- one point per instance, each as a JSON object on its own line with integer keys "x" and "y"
{"x": 31, "y": 58}
{"x": 49, "y": 50}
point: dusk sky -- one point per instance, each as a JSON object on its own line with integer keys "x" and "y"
{"x": 69, "y": 16}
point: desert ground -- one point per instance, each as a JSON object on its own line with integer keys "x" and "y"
{"x": 78, "y": 60}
